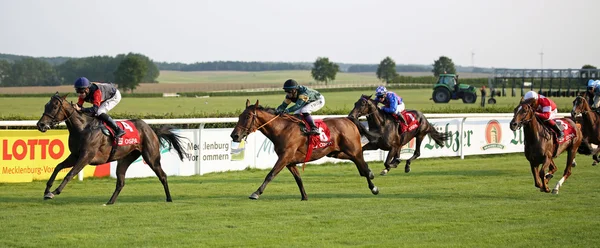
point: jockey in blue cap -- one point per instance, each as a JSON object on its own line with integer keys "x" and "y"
{"x": 393, "y": 104}
{"x": 306, "y": 101}
{"x": 103, "y": 98}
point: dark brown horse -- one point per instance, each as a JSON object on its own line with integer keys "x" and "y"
{"x": 541, "y": 145}
{"x": 387, "y": 127}
{"x": 291, "y": 145}
{"x": 89, "y": 145}
{"x": 589, "y": 123}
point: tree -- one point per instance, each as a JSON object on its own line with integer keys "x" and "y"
{"x": 5, "y": 68}
{"x": 588, "y": 66}
{"x": 324, "y": 71}
{"x": 386, "y": 72}
{"x": 130, "y": 72}
{"x": 443, "y": 65}
{"x": 30, "y": 71}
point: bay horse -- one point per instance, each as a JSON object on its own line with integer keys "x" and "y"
{"x": 391, "y": 139}
{"x": 88, "y": 145}
{"x": 291, "y": 145}
{"x": 541, "y": 144}
{"x": 589, "y": 124}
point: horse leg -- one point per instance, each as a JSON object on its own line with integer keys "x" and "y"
{"x": 156, "y": 166}
{"x": 366, "y": 147}
{"x": 416, "y": 154}
{"x": 595, "y": 156}
{"x": 570, "y": 161}
{"x": 391, "y": 154}
{"x": 542, "y": 174}
{"x": 294, "y": 170}
{"x": 534, "y": 171}
{"x": 360, "y": 163}
{"x": 276, "y": 169}
{"x": 83, "y": 160}
{"x": 68, "y": 162}
{"x": 122, "y": 165}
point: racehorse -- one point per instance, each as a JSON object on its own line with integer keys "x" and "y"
{"x": 292, "y": 146}
{"x": 589, "y": 123}
{"x": 387, "y": 127}
{"x": 541, "y": 144}
{"x": 88, "y": 145}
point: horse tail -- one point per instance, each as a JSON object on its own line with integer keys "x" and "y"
{"x": 166, "y": 136}
{"x": 371, "y": 136}
{"x": 438, "y": 137}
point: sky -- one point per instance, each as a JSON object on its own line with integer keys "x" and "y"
{"x": 483, "y": 33}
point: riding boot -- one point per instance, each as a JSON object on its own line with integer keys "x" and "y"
{"x": 112, "y": 124}
{"x": 558, "y": 131}
{"x": 311, "y": 123}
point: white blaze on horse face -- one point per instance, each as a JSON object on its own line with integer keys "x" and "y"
{"x": 519, "y": 109}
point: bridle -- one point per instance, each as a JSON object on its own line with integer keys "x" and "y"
{"x": 54, "y": 121}
{"x": 247, "y": 129}
{"x": 528, "y": 111}
{"x": 579, "y": 101}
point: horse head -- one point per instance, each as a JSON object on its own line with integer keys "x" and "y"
{"x": 523, "y": 114}
{"x": 362, "y": 107}
{"x": 580, "y": 105}
{"x": 56, "y": 111}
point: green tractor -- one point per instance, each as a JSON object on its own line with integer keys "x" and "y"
{"x": 446, "y": 89}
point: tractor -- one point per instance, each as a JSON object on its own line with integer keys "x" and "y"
{"x": 446, "y": 89}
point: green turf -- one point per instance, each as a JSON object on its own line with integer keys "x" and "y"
{"x": 484, "y": 201}
{"x": 342, "y": 102}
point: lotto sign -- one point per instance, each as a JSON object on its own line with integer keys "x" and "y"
{"x": 31, "y": 155}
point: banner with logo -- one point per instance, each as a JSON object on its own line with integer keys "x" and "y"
{"x": 32, "y": 155}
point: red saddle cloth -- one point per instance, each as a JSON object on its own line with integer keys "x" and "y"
{"x": 131, "y": 137}
{"x": 319, "y": 141}
{"x": 568, "y": 131}
{"x": 410, "y": 117}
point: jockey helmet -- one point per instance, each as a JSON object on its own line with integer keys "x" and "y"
{"x": 82, "y": 82}
{"x": 380, "y": 91}
{"x": 531, "y": 94}
{"x": 591, "y": 83}
{"x": 290, "y": 84}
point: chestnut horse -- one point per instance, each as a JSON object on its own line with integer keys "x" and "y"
{"x": 391, "y": 140}
{"x": 589, "y": 124}
{"x": 88, "y": 145}
{"x": 541, "y": 145}
{"x": 291, "y": 145}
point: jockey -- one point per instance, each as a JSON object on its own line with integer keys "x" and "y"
{"x": 393, "y": 103}
{"x": 103, "y": 98}
{"x": 306, "y": 101}
{"x": 591, "y": 87}
{"x": 546, "y": 110}
{"x": 596, "y": 94}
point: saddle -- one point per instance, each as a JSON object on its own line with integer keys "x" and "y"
{"x": 411, "y": 121}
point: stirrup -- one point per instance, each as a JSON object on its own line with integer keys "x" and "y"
{"x": 119, "y": 134}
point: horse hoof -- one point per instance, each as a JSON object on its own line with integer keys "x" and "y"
{"x": 254, "y": 196}
{"x": 375, "y": 190}
{"x": 594, "y": 163}
{"x": 48, "y": 196}
{"x": 573, "y": 164}
{"x": 383, "y": 172}
{"x": 549, "y": 176}
{"x": 407, "y": 169}
{"x": 555, "y": 191}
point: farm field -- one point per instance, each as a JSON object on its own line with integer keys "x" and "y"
{"x": 481, "y": 201}
{"x": 178, "y": 81}
{"x": 341, "y": 102}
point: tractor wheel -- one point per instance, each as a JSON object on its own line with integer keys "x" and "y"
{"x": 441, "y": 95}
{"x": 491, "y": 101}
{"x": 469, "y": 97}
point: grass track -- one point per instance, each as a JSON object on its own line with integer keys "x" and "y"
{"x": 483, "y": 201}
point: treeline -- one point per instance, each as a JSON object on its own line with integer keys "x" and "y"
{"x": 233, "y": 66}
{"x": 29, "y": 71}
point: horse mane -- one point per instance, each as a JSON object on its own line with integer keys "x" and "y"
{"x": 266, "y": 109}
